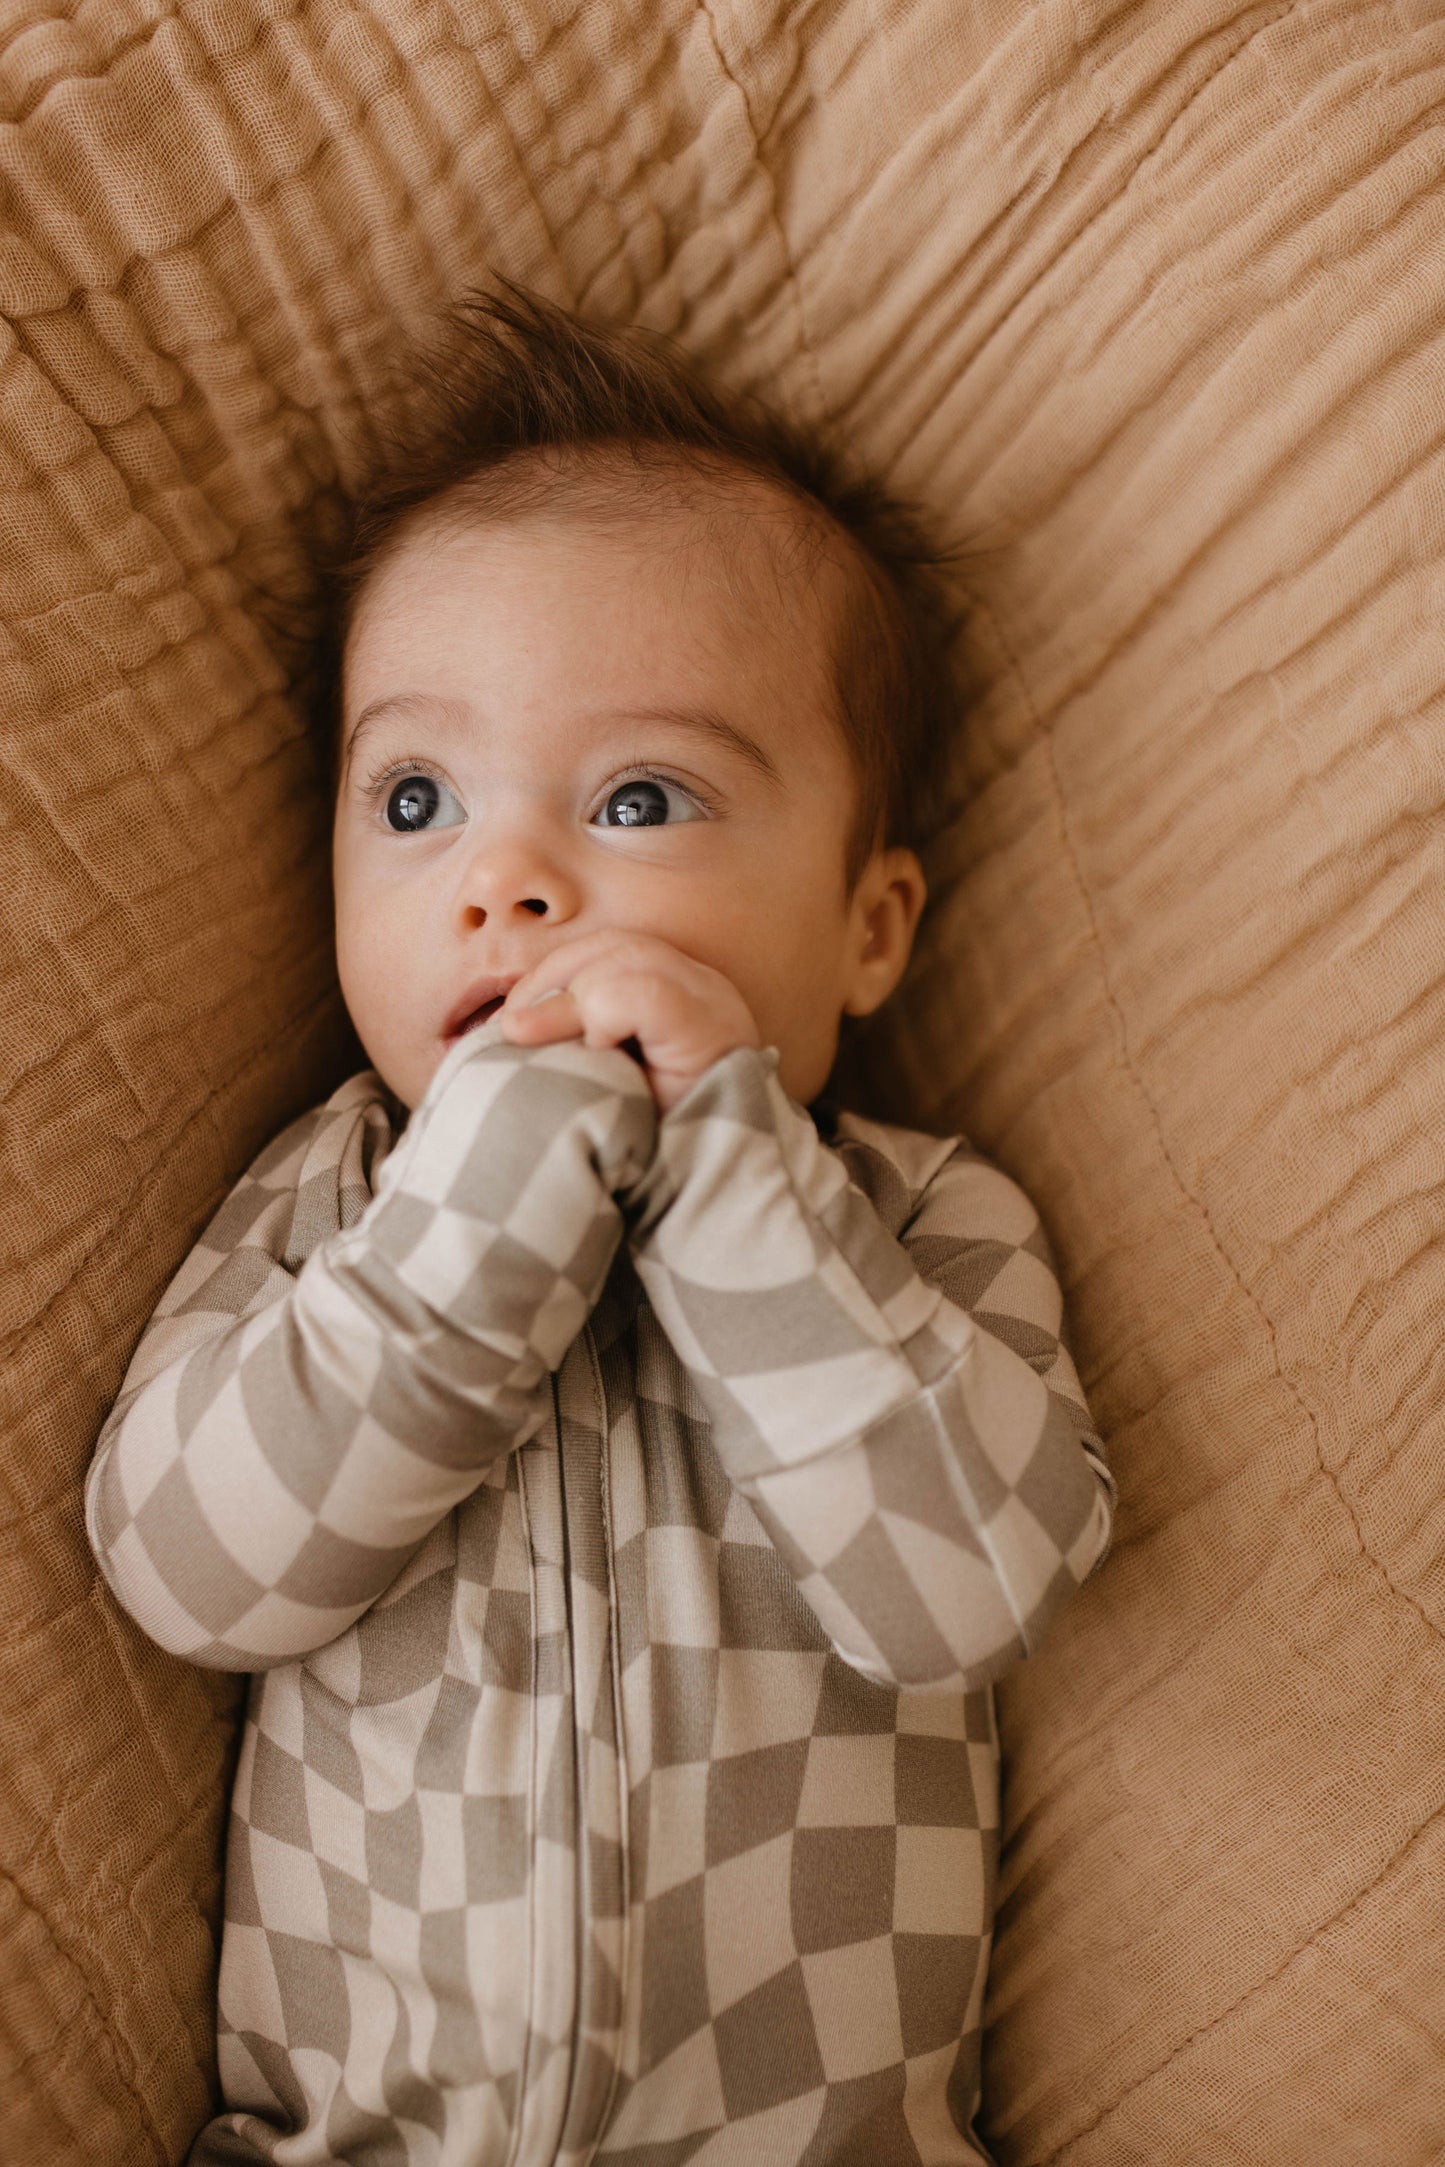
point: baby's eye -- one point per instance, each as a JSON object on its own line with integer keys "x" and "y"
{"x": 647, "y": 802}
{"x": 420, "y": 801}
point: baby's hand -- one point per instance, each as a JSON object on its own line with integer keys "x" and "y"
{"x": 611, "y": 986}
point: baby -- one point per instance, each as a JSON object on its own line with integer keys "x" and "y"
{"x": 624, "y": 1473}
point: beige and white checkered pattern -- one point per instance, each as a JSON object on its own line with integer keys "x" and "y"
{"x": 620, "y": 1778}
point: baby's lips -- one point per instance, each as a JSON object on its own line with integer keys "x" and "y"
{"x": 478, "y": 1004}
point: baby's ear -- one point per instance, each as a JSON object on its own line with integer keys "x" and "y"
{"x": 883, "y": 917}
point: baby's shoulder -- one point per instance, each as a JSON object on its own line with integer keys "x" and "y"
{"x": 339, "y": 1155}
{"x": 920, "y": 1184}
{"x": 314, "y": 1177}
{"x": 893, "y": 1166}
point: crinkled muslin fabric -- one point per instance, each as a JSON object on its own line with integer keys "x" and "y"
{"x": 1145, "y": 302}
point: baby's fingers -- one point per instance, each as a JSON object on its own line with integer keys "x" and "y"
{"x": 616, "y": 1003}
{"x": 602, "y": 1006}
{"x": 553, "y": 1015}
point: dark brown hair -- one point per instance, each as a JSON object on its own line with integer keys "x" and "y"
{"x": 520, "y": 399}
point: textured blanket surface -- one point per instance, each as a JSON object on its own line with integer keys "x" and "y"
{"x": 1145, "y": 301}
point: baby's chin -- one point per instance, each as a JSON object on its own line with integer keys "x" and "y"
{"x": 805, "y": 1061}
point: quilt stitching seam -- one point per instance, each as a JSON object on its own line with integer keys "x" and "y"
{"x": 106, "y": 2032}
{"x": 1045, "y": 738}
{"x": 790, "y": 269}
{"x": 1313, "y": 1940}
{"x": 13, "y": 1342}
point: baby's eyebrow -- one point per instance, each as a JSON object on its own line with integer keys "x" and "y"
{"x": 702, "y": 722}
{"x": 400, "y": 703}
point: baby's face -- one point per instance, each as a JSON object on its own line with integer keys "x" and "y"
{"x": 554, "y": 726}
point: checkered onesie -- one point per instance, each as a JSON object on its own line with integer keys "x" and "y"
{"x": 625, "y": 1519}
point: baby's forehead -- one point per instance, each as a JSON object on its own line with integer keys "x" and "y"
{"x": 781, "y": 553}
{"x": 671, "y": 584}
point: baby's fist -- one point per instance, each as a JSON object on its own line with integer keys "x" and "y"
{"x": 610, "y": 987}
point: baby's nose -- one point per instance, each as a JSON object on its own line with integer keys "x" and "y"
{"x": 514, "y": 877}
{"x": 475, "y": 915}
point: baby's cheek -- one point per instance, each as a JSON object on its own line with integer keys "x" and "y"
{"x": 389, "y": 1018}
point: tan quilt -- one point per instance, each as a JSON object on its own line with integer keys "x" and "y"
{"x": 1146, "y": 300}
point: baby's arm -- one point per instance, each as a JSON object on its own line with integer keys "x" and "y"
{"x": 300, "y": 1415}
{"x": 932, "y": 1479}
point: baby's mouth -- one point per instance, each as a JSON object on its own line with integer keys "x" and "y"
{"x": 477, "y": 1006}
{"x": 478, "y": 1015}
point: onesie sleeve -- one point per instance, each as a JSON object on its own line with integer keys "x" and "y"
{"x": 900, "y": 1411}
{"x": 359, "y": 1334}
